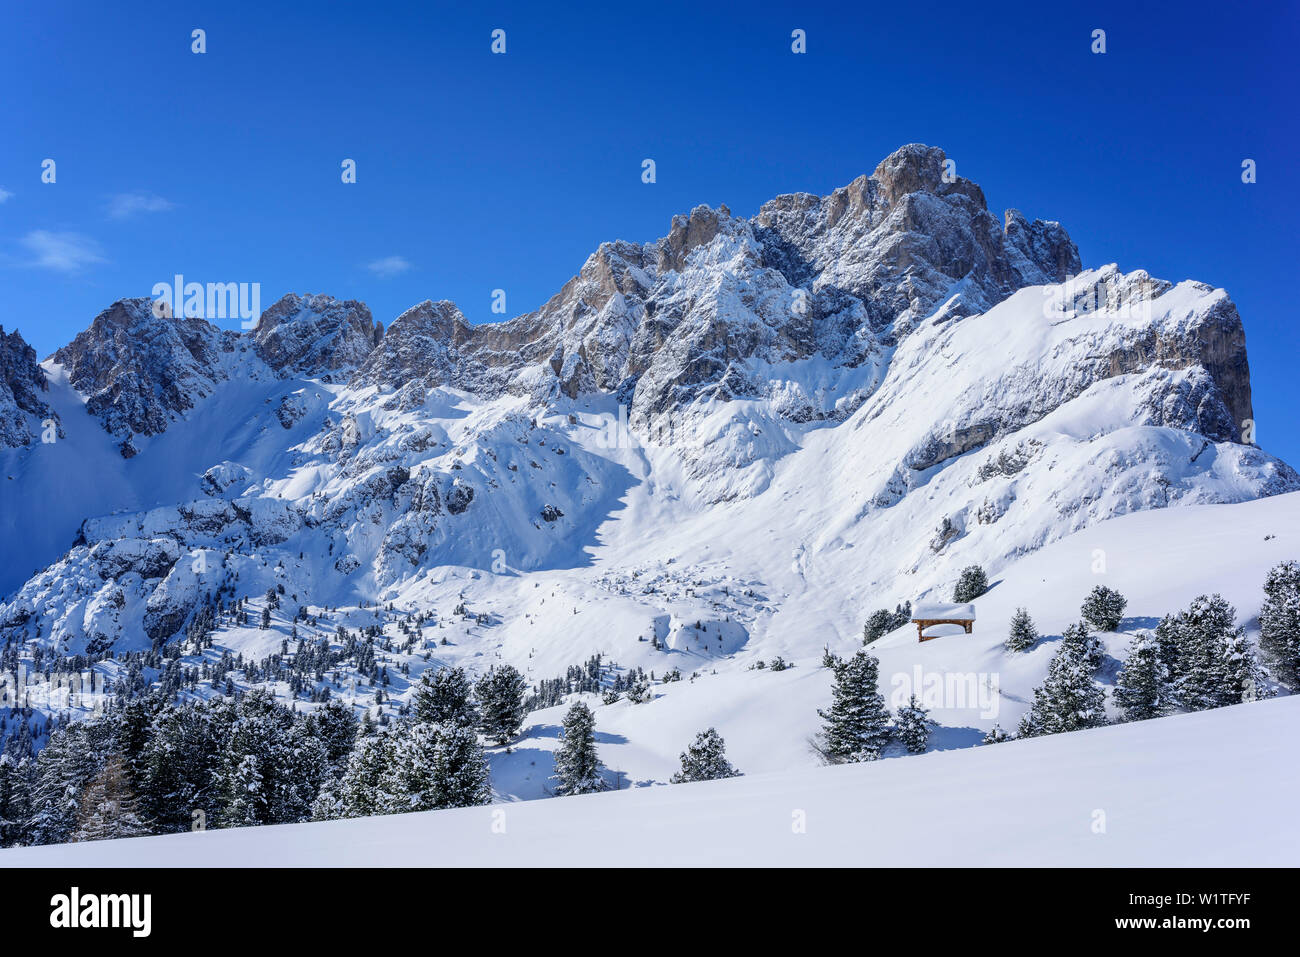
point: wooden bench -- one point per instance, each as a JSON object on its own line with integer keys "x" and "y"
{"x": 924, "y": 623}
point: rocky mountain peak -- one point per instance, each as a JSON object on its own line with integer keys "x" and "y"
{"x": 139, "y": 370}
{"x": 315, "y": 335}
{"x": 22, "y": 389}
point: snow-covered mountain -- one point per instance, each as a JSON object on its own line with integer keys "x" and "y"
{"x": 724, "y": 446}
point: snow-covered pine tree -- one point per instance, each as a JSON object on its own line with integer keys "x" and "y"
{"x": 336, "y": 729}
{"x": 109, "y": 808}
{"x": 1216, "y": 665}
{"x": 972, "y": 583}
{"x": 68, "y": 762}
{"x": 913, "y": 726}
{"x": 857, "y": 724}
{"x": 1086, "y": 646}
{"x": 705, "y": 760}
{"x": 444, "y": 698}
{"x": 460, "y": 769}
{"x": 17, "y": 778}
{"x": 363, "y": 789}
{"x": 638, "y": 691}
{"x": 501, "y": 703}
{"x": 1022, "y": 634}
{"x": 1104, "y": 608}
{"x": 577, "y": 766}
{"x": 271, "y": 769}
{"x": 1068, "y": 699}
{"x": 882, "y": 621}
{"x": 1143, "y": 687}
{"x": 996, "y": 735}
{"x": 1168, "y": 637}
{"x": 1279, "y": 622}
{"x": 178, "y": 762}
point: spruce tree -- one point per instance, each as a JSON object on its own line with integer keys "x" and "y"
{"x": 857, "y": 724}
{"x": 1022, "y": 634}
{"x": 995, "y": 735}
{"x": 1084, "y": 645}
{"x": 1104, "y": 608}
{"x": 179, "y": 761}
{"x": 913, "y": 726}
{"x": 460, "y": 769}
{"x": 1068, "y": 700}
{"x": 1216, "y": 664}
{"x": 73, "y": 756}
{"x": 363, "y": 790}
{"x": 577, "y": 766}
{"x": 109, "y": 807}
{"x": 336, "y": 729}
{"x": 444, "y": 698}
{"x": 972, "y": 583}
{"x": 501, "y": 703}
{"x": 17, "y": 778}
{"x": 1279, "y": 622}
{"x": 705, "y": 760}
{"x": 1142, "y": 688}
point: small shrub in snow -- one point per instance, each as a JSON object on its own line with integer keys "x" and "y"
{"x": 996, "y": 735}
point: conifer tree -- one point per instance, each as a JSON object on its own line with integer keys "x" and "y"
{"x": 705, "y": 760}
{"x": 1068, "y": 700}
{"x": 577, "y": 766}
{"x": 996, "y": 735}
{"x": 1279, "y": 622}
{"x": 444, "y": 698}
{"x": 109, "y": 807}
{"x": 1084, "y": 645}
{"x": 1216, "y": 665}
{"x": 17, "y": 778}
{"x": 1104, "y": 608}
{"x": 857, "y": 724}
{"x": 501, "y": 703}
{"x": 972, "y": 583}
{"x": 68, "y": 762}
{"x": 178, "y": 763}
{"x": 1022, "y": 634}
{"x": 1142, "y": 688}
{"x": 336, "y": 729}
{"x": 363, "y": 789}
{"x": 913, "y": 726}
{"x": 460, "y": 769}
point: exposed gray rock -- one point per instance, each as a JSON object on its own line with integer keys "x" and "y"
{"x": 23, "y": 408}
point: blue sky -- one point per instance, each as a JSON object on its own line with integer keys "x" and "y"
{"x": 481, "y": 172}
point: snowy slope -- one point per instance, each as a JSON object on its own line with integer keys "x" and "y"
{"x": 1130, "y": 795}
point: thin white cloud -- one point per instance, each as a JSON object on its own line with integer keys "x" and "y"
{"x": 63, "y": 252}
{"x": 4, "y": 194}
{"x": 126, "y": 205}
{"x": 389, "y": 266}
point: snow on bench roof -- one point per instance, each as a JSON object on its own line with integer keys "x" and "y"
{"x": 931, "y": 610}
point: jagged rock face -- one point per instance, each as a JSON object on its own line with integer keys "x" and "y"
{"x": 22, "y": 386}
{"x": 139, "y": 371}
{"x": 889, "y": 339}
{"x": 700, "y": 313}
{"x": 316, "y": 336}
